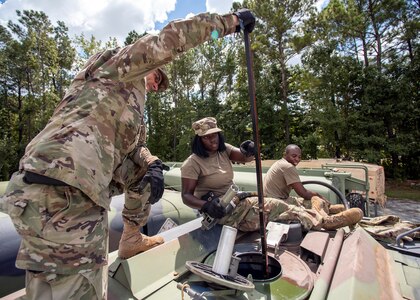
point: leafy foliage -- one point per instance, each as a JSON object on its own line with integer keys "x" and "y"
{"x": 342, "y": 82}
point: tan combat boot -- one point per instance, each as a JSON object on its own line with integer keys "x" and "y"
{"x": 133, "y": 242}
{"x": 320, "y": 205}
{"x": 345, "y": 218}
{"x": 336, "y": 208}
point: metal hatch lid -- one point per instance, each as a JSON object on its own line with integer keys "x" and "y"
{"x": 296, "y": 280}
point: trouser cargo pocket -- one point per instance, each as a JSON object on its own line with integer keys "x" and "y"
{"x": 63, "y": 231}
{"x": 19, "y": 206}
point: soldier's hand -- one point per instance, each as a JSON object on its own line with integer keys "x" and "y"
{"x": 247, "y": 148}
{"x": 246, "y": 20}
{"x": 154, "y": 177}
{"x": 214, "y": 209}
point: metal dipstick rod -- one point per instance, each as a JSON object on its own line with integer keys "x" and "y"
{"x": 251, "y": 92}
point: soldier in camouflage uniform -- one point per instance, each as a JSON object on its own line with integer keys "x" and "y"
{"x": 91, "y": 148}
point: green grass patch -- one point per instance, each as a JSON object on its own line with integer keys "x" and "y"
{"x": 403, "y": 190}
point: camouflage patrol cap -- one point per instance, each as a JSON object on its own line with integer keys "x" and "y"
{"x": 205, "y": 126}
{"x": 164, "y": 81}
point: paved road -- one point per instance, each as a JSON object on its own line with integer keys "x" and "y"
{"x": 407, "y": 210}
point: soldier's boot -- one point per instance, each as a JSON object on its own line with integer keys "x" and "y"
{"x": 320, "y": 205}
{"x": 346, "y": 218}
{"x": 336, "y": 208}
{"x": 133, "y": 242}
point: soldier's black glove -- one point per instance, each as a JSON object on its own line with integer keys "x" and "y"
{"x": 246, "y": 20}
{"x": 214, "y": 209}
{"x": 247, "y": 148}
{"x": 154, "y": 176}
{"x": 208, "y": 196}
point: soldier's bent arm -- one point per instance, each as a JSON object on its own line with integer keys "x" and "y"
{"x": 152, "y": 51}
{"x": 142, "y": 156}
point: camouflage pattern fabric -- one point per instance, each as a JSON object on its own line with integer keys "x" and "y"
{"x": 100, "y": 121}
{"x": 48, "y": 286}
{"x": 245, "y": 216}
{"x": 297, "y": 201}
{"x": 62, "y": 230}
{"x": 96, "y": 129}
{"x": 310, "y": 218}
{"x": 318, "y": 204}
{"x": 95, "y": 132}
{"x": 131, "y": 171}
{"x": 387, "y": 228}
{"x": 137, "y": 211}
{"x": 128, "y": 176}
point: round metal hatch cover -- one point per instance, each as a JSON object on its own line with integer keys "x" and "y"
{"x": 294, "y": 281}
{"x": 205, "y": 271}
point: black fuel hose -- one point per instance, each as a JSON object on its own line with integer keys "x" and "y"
{"x": 332, "y": 188}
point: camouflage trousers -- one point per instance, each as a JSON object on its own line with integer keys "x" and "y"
{"x": 48, "y": 286}
{"x": 245, "y": 216}
{"x": 298, "y": 202}
{"x": 63, "y": 232}
{"x": 136, "y": 206}
{"x": 321, "y": 206}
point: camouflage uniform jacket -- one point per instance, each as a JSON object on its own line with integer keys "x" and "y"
{"x": 99, "y": 122}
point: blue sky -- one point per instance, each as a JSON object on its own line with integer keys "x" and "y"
{"x": 182, "y": 8}
{"x": 109, "y": 18}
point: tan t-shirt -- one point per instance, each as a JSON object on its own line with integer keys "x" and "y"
{"x": 214, "y": 173}
{"x": 279, "y": 178}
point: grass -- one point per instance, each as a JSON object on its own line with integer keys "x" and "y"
{"x": 408, "y": 189}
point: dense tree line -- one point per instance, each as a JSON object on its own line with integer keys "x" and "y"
{"x": 353, "y": 94}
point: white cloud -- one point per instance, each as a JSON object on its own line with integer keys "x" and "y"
{"x": 101, "y": 18}
{"x": 224, "y": 6}
{"x": 320, "y": 4}
{"x": 190, "y": 15}
{"x": 107, "y": 18}
{"x": 219, "y": 6}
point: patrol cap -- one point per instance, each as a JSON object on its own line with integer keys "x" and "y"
{"x": 205, "y": 126}
{"x": 164, "y": 81}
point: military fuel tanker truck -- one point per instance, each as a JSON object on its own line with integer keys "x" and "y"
{"x": 223, "y": 263}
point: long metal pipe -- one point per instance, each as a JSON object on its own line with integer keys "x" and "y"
{"x": 323, "y": 282}
{"x": 252, "y": 100}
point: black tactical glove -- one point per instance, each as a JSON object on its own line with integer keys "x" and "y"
{"x": 247, "y": 148}
{"x": 214, "y": 209}
{"x": 154, "y": 176}
{"x": 246, "y": 20}
{"x": 208, "y": 196}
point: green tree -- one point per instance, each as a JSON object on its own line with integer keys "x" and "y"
{"x": 33, "y": 74}
{"x": 66, "y": 55}
{"x": 279, "y": 36}
{"x": 372, "y": 124}
{"x": 85, "y": 48}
